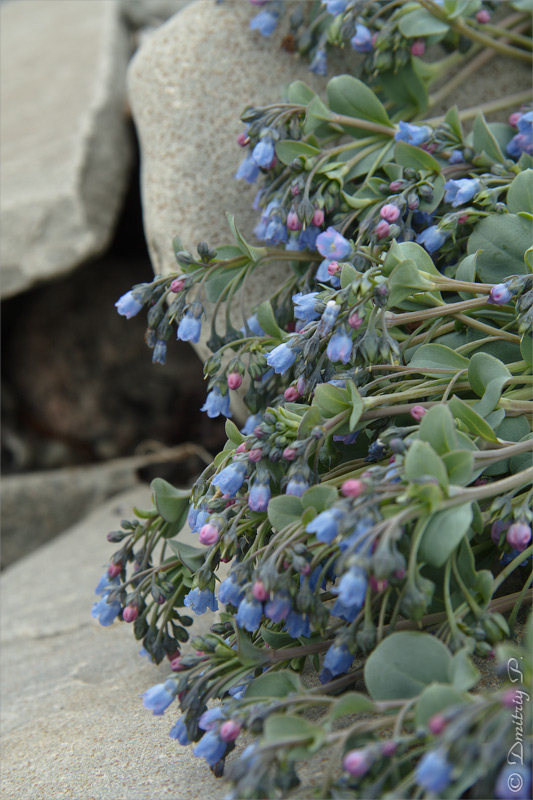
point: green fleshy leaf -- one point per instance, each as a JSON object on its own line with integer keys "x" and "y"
{"x": 274, "y": 684}
{"x": 285, "y": 728}
{"x": 482, "y": 369}
{"x": 348, "y": 275}
{"x": 408, "y": 155}
{"x": 421, "y": 22}
{"x": 171, "y": 503}
{"x": 351, "y": 703}
{"x": 526, "y": 347}
{"x": 191, "y": 557}
{"x": 254, "y": 253}
{"x": 453, "y": 119}
{"x": 443, "y": 533}
{"x": 351, "y": 97}
{"x": 459, "y": 465}
{"x": 523, "y": 461}
{"x": 473, "y": 421}
{"x": 284, "y": 510}
{"x": 287, "y": 150}
{"x": 431, "y": 356}
{"x": 404, "y": 663}
{"x": 249, "y": 655}
{"x": 299, "y": 93}
{"x": 219, "y": 279}
{"x": 330, "y": 400}
{"x": 316, "y": 118}
{"x": 400, "y": 251}
{"x": 405, "y": 280}
{"x": 520, "y": 193}
{"x": 463, "y": 673}
{"x": 438, "y": 429}
{"x": 434, "y": 699}
{"x": 358, "y": 405}
{"x": 267, "y": 320}
{"x": 422, "y": 462}
{"x": 502, "y": 239}
{"x": 484, "y": 142}
{"x": 233, "y": 433}
{"x": 406, "y": 87}
{"x": 319, "y": 497}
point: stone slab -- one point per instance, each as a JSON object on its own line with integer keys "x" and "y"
{"x": 72, "y": 723}
{"x": 65, "y": 142}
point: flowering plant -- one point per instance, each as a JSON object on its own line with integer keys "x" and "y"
{"x": 374, "y": 512}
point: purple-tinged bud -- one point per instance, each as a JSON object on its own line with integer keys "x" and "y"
{"x": 356, "y": 762}
{"x": 243, "y": 139}
{"x": 130, "y": 613}
{"x": 499, "y": 295}
{"x": 255, "y": 455}
{"x": 418, "y": 48}
{"x": 318, "y": 217}
{"x": 413, "y": 202}
{"x": 389, "y": 212}
{"x": 519, "y": 536}
{"x": 295, "y": 190}
{"x": 355, "y": 321}
{"x": 176, "y": 665}
{"x": 241, "y": 448}
{"x": 300, "y": 385}
{"x": 483, "y": 16}
{"x": 389, "y": 748}
{"x": 229, "y": 731}
{"x": 417, "y": 412}
{"x": 289, "y": 454}
{"x": 293, "y": 222}
{"x": 513, "y": 119}
{"x": 378, "y": 584}
{"x": 259, "y": 591}
{"x": 234, "y": 380}
{"x": 497, "y": 528}
{"x": 352, "y": 487}
{"x": 395, "y": 186}
{"x": 291, "y": 394}
{"x": 177, "y": 285}
{"x": 436, "y": 724}
{"x": 382, "y": 229}
{"x": 209, "y": 534}
{"x": 333, "y": 268}
{"x": 114, "y": 570}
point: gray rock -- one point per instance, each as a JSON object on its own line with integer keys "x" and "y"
{"x": 72, "y": 723}
{"x": 66, "y": 146}
{"x": 188, "y": 84}
{"x": 150, "y": 13}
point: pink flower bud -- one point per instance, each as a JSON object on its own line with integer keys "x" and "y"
{"x": 400, "y": 574}
{"x": 418, "y": 48}
{"x": 483, "y": 16}
{"x": 177, "y": 285}
{"x": 242, "y": 139}
{"x": 293, "y": 222}
{"x": 395, "y": 186}
{"x": 436, "y": 724}
{"x": 255, "y": 455}
{"x": 352, "y": 487}
{"x": 234, "y": 380}
{"x": 289, "y": 453}
{"x": 509, "y": 698}
{"x": 333, "y": 268}
{"x": 306, "y": 569}
{"x": 114, "y": 570}
{"x": 417, "y": 412}
{"x": 356, "y": 763}
{"x": 259, "y": 591}
{"x": 291, "y": 394}
{"x": 318, "y": 217}
{"x": 241, "y": 448}
{"x": 378, "y": 585}
{"x": 229, "y": 731}
{"x": 208, "y": 534}
{"x": 513, "y": 119}
{"x": 389, "y": 212}
{"x": 295, "y": 190}
{"x": 382, "y": 229}
{"x": 389, "y": 748}
{"x": 176, "y": 665}
{"x": 300, "y": 385}
{"x": 519, "y": 536}
{"x": 355, "y": 321}
{"x": 462, "y": 218}
{"x": 130, "y": 613}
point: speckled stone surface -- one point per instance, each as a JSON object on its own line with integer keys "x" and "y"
{"x": 72, "y": 723}
{"x": 65, "y": 142}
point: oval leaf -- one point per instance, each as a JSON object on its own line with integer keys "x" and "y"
{"x": 443, "y": 533}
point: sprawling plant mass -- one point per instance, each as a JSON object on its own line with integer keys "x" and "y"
{"x": 374, "y": 512}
